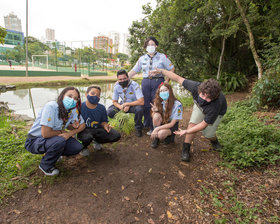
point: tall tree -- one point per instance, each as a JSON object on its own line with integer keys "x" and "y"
{"x": 3, "y": 34}
{"x": 251, "y": 38}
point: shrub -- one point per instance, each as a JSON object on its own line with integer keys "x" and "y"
{"x": 232, "y": 82}
{"x": 248, "y": 142}
{"x": 266, "y": 92}
{"x": 123, "y": 122}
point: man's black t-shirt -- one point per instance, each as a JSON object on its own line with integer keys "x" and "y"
{"x": 211, "y": 110}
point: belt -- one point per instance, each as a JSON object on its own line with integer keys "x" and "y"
{"x": 153, "y": 77}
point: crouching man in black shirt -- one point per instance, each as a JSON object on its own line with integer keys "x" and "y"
{"x": 209, "y": 107}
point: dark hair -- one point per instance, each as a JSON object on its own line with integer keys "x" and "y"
{"x": 93, "y": 87}
{"x": 148, "y": 39}
{"x": 169, "y": 104}
{"x": 210, "y": 87}
{"x": 62, "y": 112}
{"x": 122, "y": 72}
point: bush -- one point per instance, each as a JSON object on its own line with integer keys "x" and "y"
{"x": 266, "y": 92}
{"x": 232, "y": 82}
{"x": 123, "y": 122}
{"x": 248, "y": 142}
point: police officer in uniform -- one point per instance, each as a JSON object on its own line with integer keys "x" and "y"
{"x": 132, "y": 100}
{"x": 147, "y": 63}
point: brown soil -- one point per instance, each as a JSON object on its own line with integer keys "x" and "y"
{"x": 129, "y": 182}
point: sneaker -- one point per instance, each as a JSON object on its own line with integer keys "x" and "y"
{"x": 155, "y": 143}
{"x": 97, "y": 146}
{"x": 84, "y": 152}
{"x": 150, "y": 132}
{"x": 138, "y": 133}
{"x": 51, "y": 172}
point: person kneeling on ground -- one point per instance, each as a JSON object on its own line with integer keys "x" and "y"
{"x": 209, "y": 107}
{"x": 132, "y": 100}
{"x": 166, "y": 113}
{"x": 49, "y": 135}
{"x": 97, "y": 128}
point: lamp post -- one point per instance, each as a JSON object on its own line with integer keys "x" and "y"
{"x": 26, "y": 41}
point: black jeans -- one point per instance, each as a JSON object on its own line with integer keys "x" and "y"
{"x": 99, "y": 134}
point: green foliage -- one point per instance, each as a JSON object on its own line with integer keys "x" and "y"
{"x": 186, "y": 101}
{"x": 266, "y": 92}
{"x": 16, "y": 163}
{"x": 123, "y": 122}
{"x": 232, "y": 82}
{"x": 248, "y": 142}
{"x": 3, "y": 34}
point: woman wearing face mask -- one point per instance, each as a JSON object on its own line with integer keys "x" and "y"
{"x": 97, "y": 128}
{"x": 166, "y": 113}
{"x": 48, "y": 134}
{"x": 147, "y": 63}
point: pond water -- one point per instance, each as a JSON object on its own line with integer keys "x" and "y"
{"x": 21, "y": 100}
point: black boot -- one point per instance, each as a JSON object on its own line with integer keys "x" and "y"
{"x": 216, "y": 145}
{"x": 169, "y": 139}
{"x": 186, "y": 152}
{"x": 155, "y": 143}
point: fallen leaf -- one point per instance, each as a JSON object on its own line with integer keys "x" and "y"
{"x": 150, "y": 170}
{"x": 150, "y": 221}
{"x": 15, "y": 178}
{"x": 199, "y": 180}
{"x": 126, "y": 198}
{"x": 107, "y": 192}
{"x": 169, "y": 215}
{"x": 15, "y": 211}
{"x": 172, "y": 192}
{"x": 39, "y": 191}
{"x": 175, "y": 198}
{"x": 185, "y": 164}
{"x": 161, "y": 217}
{"x": 18, "y": 166}
{"x": 181, "y": 175}
{"x": 95, "y": 195}
{"x": 90, "y": 171}
{"x": 216, "y": 215}
{"x": 166, "y": 185}
{"x": 122, "y": 187}
{"x": 204, "y": 150}
{"x": 137, "y": 219}
{"x": 147, "y": 154}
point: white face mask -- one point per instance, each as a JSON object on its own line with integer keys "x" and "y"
{"x": 151, "y": 49}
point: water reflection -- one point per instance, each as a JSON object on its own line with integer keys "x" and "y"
{"x": 22, "y": 101}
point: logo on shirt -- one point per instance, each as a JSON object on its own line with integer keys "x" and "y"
{"x": 93, "y": 123}
{"x": 131, "y": 93}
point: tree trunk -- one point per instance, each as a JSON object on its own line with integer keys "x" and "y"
{"x": 251, "y": 38}
{"x": 221, "y": 58}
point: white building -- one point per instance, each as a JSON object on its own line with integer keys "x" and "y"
{"x": 12, "y": 22}
{"x": 115, "y": 36}
{"x": 124, "y": 44}
{"x": 50, "y": 34}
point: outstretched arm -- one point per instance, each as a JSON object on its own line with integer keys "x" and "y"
{"x": 169, "y": 74}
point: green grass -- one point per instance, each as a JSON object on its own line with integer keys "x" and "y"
{"x": 16, "y": 163}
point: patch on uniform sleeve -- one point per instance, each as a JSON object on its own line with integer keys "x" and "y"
{"x": 130, "y": 93}
{"x": 179, "y": 111}
{"x": 170, "y": 64}
{"x": 49, "y": 119}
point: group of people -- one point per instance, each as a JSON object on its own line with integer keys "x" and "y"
{"x": 54, "y": 130}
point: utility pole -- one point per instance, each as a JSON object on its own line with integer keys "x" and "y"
{"x": 26, "y": 41}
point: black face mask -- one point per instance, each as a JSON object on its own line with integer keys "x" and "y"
{"x": 124, "y": 83}
{"x": 201, "y": 101}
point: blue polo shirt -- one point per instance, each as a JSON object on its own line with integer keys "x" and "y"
{"x": 147, "y": 63}
{"x": 94, "y": 117}
{"x": 48, "y": 116}
{"x": 129, "y": 94}
{"x": 177, "y": 110}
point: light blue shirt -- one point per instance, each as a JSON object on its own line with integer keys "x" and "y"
{"x": 177, "y": 110}
{"x": 129, "y": 94}
{"x": 159, "y": 60}
{"x": 48, "y": 116}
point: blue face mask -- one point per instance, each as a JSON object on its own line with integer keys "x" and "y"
{"x": 201, "y": 101}
{"x": 164, "y": 95}
{"x": 69, "y": 103}
{"x": 93, "y": 99}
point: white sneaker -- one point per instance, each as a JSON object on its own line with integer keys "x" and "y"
{"x": 84, "y": 152}
{"x": 97, "y": 146}
{"x": 59, "y": 159}
{"x": 51, "y": 172}
{"x": 150, "y": 132}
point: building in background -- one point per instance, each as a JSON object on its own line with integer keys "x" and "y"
{"x": 12, "y": 39}
{"x": 115, "y": 36}
{"x": 50, "y": 34}
{"x": 124, "y": 47}
{"x": 12, "y": 22}
{"x": 103, "y": 42}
